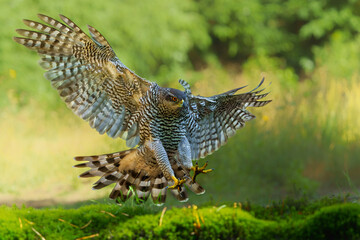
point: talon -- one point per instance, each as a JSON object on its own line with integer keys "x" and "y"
{"x": 197, "y": 170}
{"x": 177, "y": 183}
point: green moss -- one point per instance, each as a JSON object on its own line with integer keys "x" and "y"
{"x": 338, "y": 221}
{"x": 9, "y": 224}
{"x": 334, "y": 222}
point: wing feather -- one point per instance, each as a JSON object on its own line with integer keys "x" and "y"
{"x": 89, "y": 77}
{"x": 215, "y": 119}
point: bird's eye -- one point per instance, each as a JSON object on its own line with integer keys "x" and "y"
{"x": 174, "y": 99}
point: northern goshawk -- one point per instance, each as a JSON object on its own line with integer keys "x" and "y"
{"x": 171, "y": 128}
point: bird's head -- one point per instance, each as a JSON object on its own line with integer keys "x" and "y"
{"x": 173, "y": 99}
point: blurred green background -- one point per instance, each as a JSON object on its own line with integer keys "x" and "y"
{"x": 305, "y": 143}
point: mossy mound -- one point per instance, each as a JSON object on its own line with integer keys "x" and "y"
{"x": 232, "y": 221}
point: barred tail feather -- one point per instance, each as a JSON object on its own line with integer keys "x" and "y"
{"x": 182, "y": 173}
{"x": 130, "y": 178}
{"x": 180, "y": 194}
{"x": 107, "y": 179}
{"x": 195, "y": 187}
{"x": 159, "y": 189}
{"x": 122, "y": 188}
{"x": 143, "y": 186}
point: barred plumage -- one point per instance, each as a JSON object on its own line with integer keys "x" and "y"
{"x": 170, "y": 127}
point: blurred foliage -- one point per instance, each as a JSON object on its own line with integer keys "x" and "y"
{"x": 328, "y": 220}
{"x": 286, "y": 29}
{"x": 162, "y": 39}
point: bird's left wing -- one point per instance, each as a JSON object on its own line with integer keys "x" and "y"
{"x": 214, "y": 119}
{"x": 88, "y": 75}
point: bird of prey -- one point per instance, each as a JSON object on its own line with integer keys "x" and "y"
{"x": 166, "y": 129}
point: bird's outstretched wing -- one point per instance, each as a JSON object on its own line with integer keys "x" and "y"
{"x": 88, "y": 75}
{"x": 214, "y": 119}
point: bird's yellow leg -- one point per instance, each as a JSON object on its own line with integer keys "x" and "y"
{"x": 197, "y": 170}
{"x": 177, "y": 183}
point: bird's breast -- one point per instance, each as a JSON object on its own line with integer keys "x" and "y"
{"x": 168, "y": 131}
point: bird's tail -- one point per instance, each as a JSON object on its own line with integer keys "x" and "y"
{"x": 132, "y": 176}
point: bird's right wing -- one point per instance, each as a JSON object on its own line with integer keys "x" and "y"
{"x": 88, "y": 75}
{"x": 214, "y": 119}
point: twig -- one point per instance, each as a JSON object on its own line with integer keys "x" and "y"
{"x": 21, "y": 225}
{"x": 197, "y": 219}
{"x": 86, "y": 224}
{"x": 29, "y": 222}
{"x": 110, "y": 214}
{"x": 201, "y": 218}
{"x": 37, "y": 233}
{"x": 162, "y": 216}
{"x": 125, "y": 214}
{"x": 87, "y": 237}
{"x": 221, "y": 207}
{"x": 73, "y": 225}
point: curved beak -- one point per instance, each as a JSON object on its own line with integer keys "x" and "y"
{"x": 181, "y": 103}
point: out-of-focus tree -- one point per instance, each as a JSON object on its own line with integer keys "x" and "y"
{"x": 286, "y": 29}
